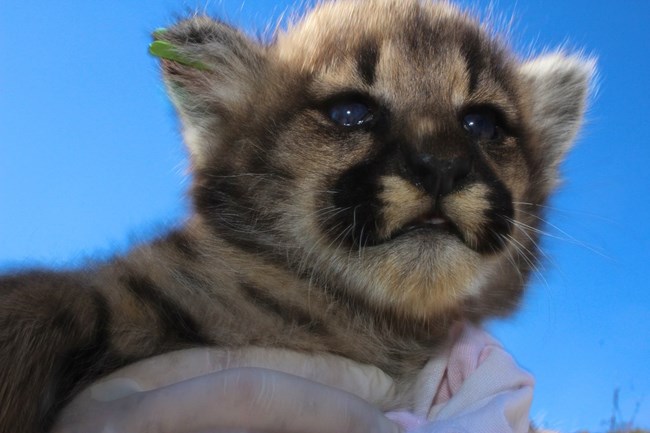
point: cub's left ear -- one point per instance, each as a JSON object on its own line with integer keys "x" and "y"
{"x": 213, "y": 73}
{"x": 558, "y": 87}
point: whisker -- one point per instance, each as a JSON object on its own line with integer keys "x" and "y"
{"x": 567, "y": 237}
{"x": 569, "y": 212}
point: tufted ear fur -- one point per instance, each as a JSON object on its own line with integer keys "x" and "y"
{"x": 559, "y": 86}
{"x": 214, "y": 84}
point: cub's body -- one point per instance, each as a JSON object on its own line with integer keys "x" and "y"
{"x": 370, "y": 177}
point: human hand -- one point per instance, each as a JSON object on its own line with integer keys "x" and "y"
{"x": 253, "y": 389}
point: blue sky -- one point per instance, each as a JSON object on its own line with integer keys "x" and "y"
{"x": 91, "y": 160}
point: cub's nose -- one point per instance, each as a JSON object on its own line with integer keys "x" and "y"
{"x": 439, "y": 176}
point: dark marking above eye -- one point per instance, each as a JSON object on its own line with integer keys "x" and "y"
{"x": 473, "y": 53}
{"x": 368, "y": 57}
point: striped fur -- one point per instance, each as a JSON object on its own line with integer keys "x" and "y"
{"x": 365, "y": 241}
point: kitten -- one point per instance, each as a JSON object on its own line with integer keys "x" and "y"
{"x": 372, "y": 175}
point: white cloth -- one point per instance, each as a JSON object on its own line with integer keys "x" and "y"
{"x": 473, "y": 387}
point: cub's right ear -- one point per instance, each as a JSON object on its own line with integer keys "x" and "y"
{"x": 211, "y": 71}
{"x": 558, "y": 87}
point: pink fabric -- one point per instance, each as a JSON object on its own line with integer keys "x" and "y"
{"x": 473, "y": 387}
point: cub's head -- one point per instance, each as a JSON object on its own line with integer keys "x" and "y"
{"x": 392, "y": 149}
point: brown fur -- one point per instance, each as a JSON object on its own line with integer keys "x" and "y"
{"x": 306, "y": 234}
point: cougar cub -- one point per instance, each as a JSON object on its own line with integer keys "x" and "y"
{"x": 371, "y": 175}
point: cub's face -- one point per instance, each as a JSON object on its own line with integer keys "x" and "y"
{"x": 392, "y": 149}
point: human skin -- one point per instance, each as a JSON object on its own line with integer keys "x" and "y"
{"x": 209, "y": 390}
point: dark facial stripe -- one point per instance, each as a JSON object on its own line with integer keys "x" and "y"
{"x": 356, "y": 194}
{"x": 498, "y": 220}
{"x": 288, "y": 313}
{"x": 367, "y": 60}
{"x": 178, "y": 326}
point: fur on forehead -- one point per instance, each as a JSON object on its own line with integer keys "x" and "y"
{"x": 339, "y": 25}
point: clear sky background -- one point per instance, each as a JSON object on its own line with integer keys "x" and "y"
{"x": 91, "y": 160}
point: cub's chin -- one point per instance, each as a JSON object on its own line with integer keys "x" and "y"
{"x": 437, "y": 232}
{"x": 423, "y": 271}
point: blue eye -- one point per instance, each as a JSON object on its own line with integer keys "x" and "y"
{"x": 350, "y": 113}
{"x": 481, "y": 125}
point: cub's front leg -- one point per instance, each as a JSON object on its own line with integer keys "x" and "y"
{"x": 59, "y": 331}
{"x": 54, "y": 336}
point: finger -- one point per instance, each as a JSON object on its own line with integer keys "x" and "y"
{"x": 252, "y": 399}
{"x": 362, "y": 380}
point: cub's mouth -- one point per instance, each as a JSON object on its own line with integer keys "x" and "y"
{"x": 433, "y": 221}
{"x": 372, "y": 213}
{"x": 479, "y": 216}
